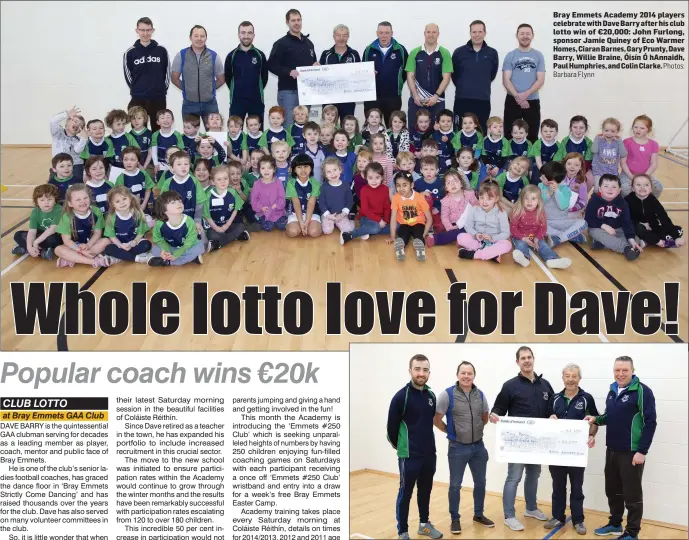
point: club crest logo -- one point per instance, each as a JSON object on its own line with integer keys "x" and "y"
{"x": 545, "y": 395}
{"x": 254, "y": 60}
{"x": 625, "y": 398}
{"x": 393, "y": 56}
{"x": 579, "y": 406}
{"x": 189, "y": 195}
{"x": 437, "y": 61}
{"x": 349, "y": 61}
{"x": 430, "y": 402}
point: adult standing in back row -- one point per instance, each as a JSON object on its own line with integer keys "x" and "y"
{"x": 147, "y": 72}
{"x": 291, "y": 51}
{"x": 198, "y": 72}
{"x": 341, "y": 53}
{"x": 523, "y": 74}
{"x": 474, "y": 66}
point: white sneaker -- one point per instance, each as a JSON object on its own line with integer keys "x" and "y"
{"x": 365, "y": 236}
{"x": 143, "y": 258}
{"x": 520, "y": 258}
{"x": 514, "y": 524}
{"x": 536, "y": 514}
{"x": 562, "y": 262}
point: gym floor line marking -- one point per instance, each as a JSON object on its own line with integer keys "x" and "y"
{"x": 8, "y": 231}
{"x": 556, "y": 529}
{"x": 552, "y": 278}
{"x": 673, "y": 161}
{"x": 461, "y": 338}
{"x": 616, "y": 283}
{"x": 62, "y": 330}
{"x": 360, "y": 536}
{"x": 15, "y": 263}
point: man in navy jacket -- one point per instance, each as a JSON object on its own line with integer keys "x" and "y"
{"x": 147, "y": 72}
{"x": 475, "y": 66}
{"x": 528, "y": 396}
{"x": 630, "y": 420}
{"x": 341, "y": 53}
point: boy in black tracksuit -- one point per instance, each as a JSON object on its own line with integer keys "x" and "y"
{"x": 662, "y": 232}
{"x": 147, "y": 73}
{"x": 630, "y": 418}
{"x": 410, "y": 431}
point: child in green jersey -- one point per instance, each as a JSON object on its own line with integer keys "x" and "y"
{"x": 41, "y": 238}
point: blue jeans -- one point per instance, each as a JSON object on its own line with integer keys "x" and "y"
{"x": 459, "y": 456}
{"x": 368, "y": 226}
{"x": 514, "y": 476}
{"x": 202, "y": 108}
{"x": 288, "y": 99}
{"x": 544, "y": 250}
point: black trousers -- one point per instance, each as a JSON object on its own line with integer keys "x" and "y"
{"x": 115, "y": 251}
{"x": 228, "y": 236}
{"x": 417, "y": 471}
{"x": 657, "y": 232}
{"x": 623, "y": 488}
{"x": 52, "y": 241}
{"x": 387, "y": 105}
{"x": 576, "y": 498}
{"x": 152, "y": 107}
{"x": 243, "y": 107}
{"x": 405, "y": 232}
{"x": 532, "y": 115}
{"x": 479, "y": 107}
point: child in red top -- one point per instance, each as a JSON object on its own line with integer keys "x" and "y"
{"x": 528, "y": 228}
{"x": 375, "y": 210}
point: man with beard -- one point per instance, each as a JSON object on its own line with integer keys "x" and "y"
{"x": 246, "y": 75}
{"x": 527, "y": 396}
{"x": 410, "y": 431}
{"x": 523, "y": 73}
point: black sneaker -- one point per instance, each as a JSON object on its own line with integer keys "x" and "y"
{"x": 212, "y": 246}
{"x": 18, "y": 250}
{"x": 464, "y": 253}
{"x": 345, "y": 237}
{"x": 631, "y": 253}
{"x": 597, "y": 245}
{"x": 198, "y": 260}
{"x": 48, "y": 254}
{"x": 244, "y": 236}
{"x": 455, "y": 527}
{"x": 158, "y": 261}
{"x": 483, "y": 520}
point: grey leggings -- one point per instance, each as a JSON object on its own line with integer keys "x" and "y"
{"x": 186, "y": 257}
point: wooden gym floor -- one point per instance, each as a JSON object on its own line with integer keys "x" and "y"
{"x": 308, "y": 264}
{"x": 372, "y": 497}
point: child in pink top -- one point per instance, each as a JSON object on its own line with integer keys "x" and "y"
{"x": 268, "y": 197}
{"x": 380, "y": 156}
{"x": 459, "y": 196}
{"x": 576, "y": 180}
{"x": 642, "y": 156}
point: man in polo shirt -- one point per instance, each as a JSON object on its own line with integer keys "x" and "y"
{"x": 630, "y": 420}
{"x": 291, "y": 51}
{"x": 410, "y": 432}
{"x": 475, "y": 66}
{"x": 389, "y": 58}
{"x": 527, "y": 396}
{"x": 523, "y": 73}
{"x": 246, "y": 75}
{"x": 341, "y": 53}
{"x": 429, "y": 68}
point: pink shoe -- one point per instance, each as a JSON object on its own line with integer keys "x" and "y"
{"x": 62, "y": 263}
{"x": 430, "y": 241}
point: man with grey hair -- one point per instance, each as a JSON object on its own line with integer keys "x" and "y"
{"x": 630, "y": 417}
{"x": 572, "y": 403}
{"x": 341, "y": 53}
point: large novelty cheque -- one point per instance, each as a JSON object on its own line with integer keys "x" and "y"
{"x": 542, "y": 441}
{"x": 339, "y": 83}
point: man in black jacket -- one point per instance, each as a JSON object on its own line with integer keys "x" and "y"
{"x": 528, "y": 396}
{"x": 147, "y": 72}
{"x": 291, "y": 51}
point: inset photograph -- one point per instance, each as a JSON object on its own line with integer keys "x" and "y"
{"x": 518, "y": 441}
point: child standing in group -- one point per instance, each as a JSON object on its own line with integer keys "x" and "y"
{"x": 138, "y": 117}
{"x": 374, "y": 214}
{"x": 487, "y": 227}
{"x": 215, "y": 122}
{"x": 519, "y": 144}
{"x": 327, "y": 134}
{"x": 444, "y": 136}
{"x": 363, "y": 159}
{"x": 253, "y": 174}
{"x": 609, "y": 152}
{"x": 125, "y": 226}
{"x": 243, "y": 190}
{"x": 202, "y": 171}
{"x": 41, "y": 238}
{"x": 296, "y": 130}
{"x": 374, "y": 124}
{"x": 98, "y": 144}
{"x": 221, "y": 208}
{"x": 379, "y": 155}
{"x": 237, "y": 147}
{"x": 575, "y": 180}
{"x": 253, "y": 132}
{"x": 651, "y": 222}
{"x": 188, "y": 187}
{"x": 117, "y": 120}
{"x": 62, "y": 176}
{"x": 469, "y": 136}
{"x": 205, "y": 150}
{"x": 348, "y": 159}
{"x": 609, "y": 220}
{"x": 412, "y": 218}
{"x": 457, "y": 201}
{"x": 303, "y": 213}
{"x": 496, "y": 149}
{"x": 191, "y": 137}
{"x": 167, "y": 174}
{"x": 398, "y": 134}
{"x": 276, "y": 131}
{"x": 175, "y": 237}
{"x": 81, "y": 227}
{"x": 432, "y": 188}
{"x": 513, "y": 180}
{"x": 405, "y": 162}
{"x": 335, "y": 200}
{"x": 351, "y": 125}
{"x": 166, "y": 137}
{"x": 528, "y": 226}
{"x": 468, "y": 166}
{"x": 314, "y": 149}
{"x": 577, "y": 141}
{"x": 66, "y": 140}
{"x": 422, "y": 130}
{"x": 557, "y": 198}
{"x": 545, "y": 149}
{"x": 331, "y": 115}
{"x": 136, "y": 179}
{"x": 280, "y": 152}
{"x": 642, "y": 156}
{"x": 95, "y": 172}
{"x": 268, "y": 197}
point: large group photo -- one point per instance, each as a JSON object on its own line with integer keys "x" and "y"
{"x": 176, "y": 149}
